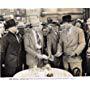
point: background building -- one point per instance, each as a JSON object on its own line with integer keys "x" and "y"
{"x": 28, "y": 15}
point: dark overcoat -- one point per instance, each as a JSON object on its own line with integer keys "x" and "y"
{"x": 11, "y": 52}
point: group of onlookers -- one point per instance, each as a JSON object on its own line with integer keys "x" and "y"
{"x": 61, "y": 45}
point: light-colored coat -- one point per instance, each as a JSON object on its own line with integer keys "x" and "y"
{"x": 30, "y": 47}
{"x": 74, "y": 42}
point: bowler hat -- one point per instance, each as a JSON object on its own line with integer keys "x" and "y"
{"x": 10, "y": 23}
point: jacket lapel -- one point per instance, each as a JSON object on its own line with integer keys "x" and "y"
{"x": 32, "y": 39}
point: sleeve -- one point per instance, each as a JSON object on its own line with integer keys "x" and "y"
{"x": 4, "y": 46}
{"x": 81, "y": 43}
{"x": 28, "y": 49}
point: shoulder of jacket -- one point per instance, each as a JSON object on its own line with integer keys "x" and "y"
{"x": 77, "y": 29}
{"x": 6, "y": 35}
{"x": 80, "y": 30}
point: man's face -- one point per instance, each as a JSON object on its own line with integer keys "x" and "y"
{"x": 45, "y": 31}
{"x": 13, "y": 29}
{"x": 56, "y": 28}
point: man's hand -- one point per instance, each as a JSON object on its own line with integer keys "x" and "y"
{"x": 39, "y": 56}
{"x": 42, "y": 56}
{"x": 73, "y": 54}
{"x": 51, "y": 58}
{"x": 45, "y": 57}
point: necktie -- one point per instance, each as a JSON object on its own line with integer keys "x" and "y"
{"x": 38, "y": 38}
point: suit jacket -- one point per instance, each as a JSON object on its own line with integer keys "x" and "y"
{"x": 52, "y": 43}
{"x": 30, "y": 47}
{"x": 72, "y": 42}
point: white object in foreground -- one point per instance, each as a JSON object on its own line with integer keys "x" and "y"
{"x": 42, "y": 73}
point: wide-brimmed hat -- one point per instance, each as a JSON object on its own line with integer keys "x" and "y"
{"x": 10, "y": 23}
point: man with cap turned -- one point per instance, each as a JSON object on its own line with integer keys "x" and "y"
{"x": 11, "y": 49}
{"x": 71, "y": 44}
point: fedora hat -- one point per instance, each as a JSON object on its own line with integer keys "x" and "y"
{"x": 66, "y": 18}
{"x": 10, "y": 23}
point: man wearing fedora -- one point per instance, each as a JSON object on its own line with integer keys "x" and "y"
{"x": 71, "y": 44}
{"x": 11, "y": 49}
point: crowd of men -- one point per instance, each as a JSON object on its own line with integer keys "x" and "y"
{"x": 62, "y": 45}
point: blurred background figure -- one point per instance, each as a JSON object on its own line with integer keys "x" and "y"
{"x": 49, "y": 20}
{"x": 79, "y": 23}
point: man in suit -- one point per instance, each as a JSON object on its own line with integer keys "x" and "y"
{"x": 33, "y": 41}
{"x": 71, "y": 44}
{"x": 52, "y": 43}
{"x": 11, "y": 49}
